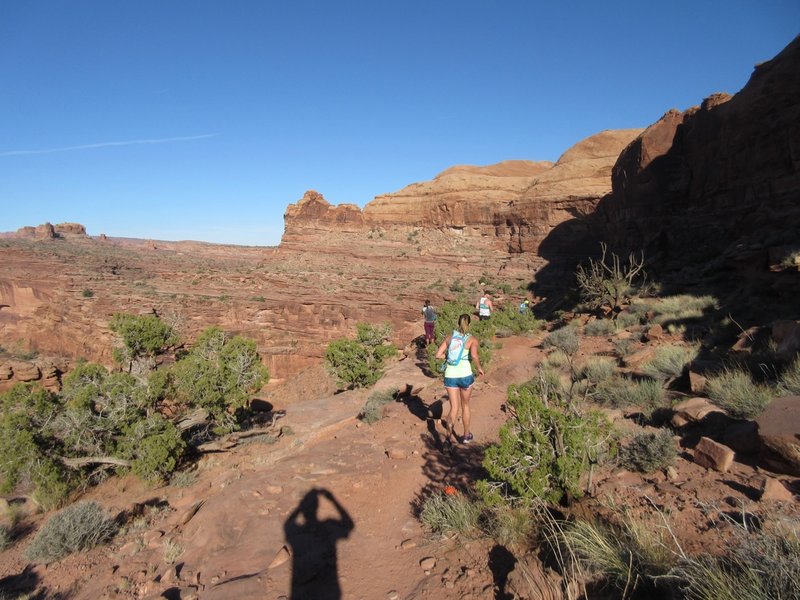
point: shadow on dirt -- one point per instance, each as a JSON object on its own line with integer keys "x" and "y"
{"x": 313, "y": 543}
{"x": 25, "y": 586}
{"x": 501, "y": 563}
{"x": 418, "y": 407}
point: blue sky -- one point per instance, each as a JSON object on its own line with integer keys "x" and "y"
{"x": 204, "y": 120}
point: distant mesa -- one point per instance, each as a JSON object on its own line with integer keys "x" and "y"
{"x": 514, "y": 203}
{"x": 46, "y": 231}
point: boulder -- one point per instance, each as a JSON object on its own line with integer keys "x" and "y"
{"x": 779, "y": 431}
{"x": 654, "y": 333}
{"x": 635, "y": 360}
{"x": 697, "y": 382}
{"x": 693, "y": 410}
{"x": 713, "y": 455}
{"x": 5, "y": 372}
{"x": 772, "y": 489}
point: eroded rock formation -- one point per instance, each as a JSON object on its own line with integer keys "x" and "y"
{"x": 512, "y": 205}
{"x": 721, "y": 179}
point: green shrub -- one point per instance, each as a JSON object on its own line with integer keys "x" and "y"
{"x": 450, "y": 513}
{"x": 359, "y": 363}
{"x": 218, "y": 374}
{"x": 28, "y": 447}
{"x": 600, "y": 327}
{"x": 372, "y": 411}
{"x": 598, "y": 368}
{"x": 185, "y": 479}
{"x": 734, "y": 391}
{"x": 649, "y": 452}
{"x": 667, "y": 363}
{"x": 142, "y": 335}
{"x": 632, "y": 556}
{"x": 154, "y": 445}
{"x": 620, "y": 392}
{"x": 510, "y": 526}
{"x": 682, "y": 307}
{"x": 87, "y": 293}
{"x": 556, "y": 359}
{"x": 624, "y": 347}
{"x": 789, "y": 383}
{"x": 545, "y": 447}
{"x": 627, "y": 319}
{"x": 509, "y": 318}
{"x": 760, "y": 564}
{"x": 81, "y": 526}
{"x": 565, "y": 339}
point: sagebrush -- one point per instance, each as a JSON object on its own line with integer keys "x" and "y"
{"x": 79, "y": 527}
{"x": 649, "y": 452}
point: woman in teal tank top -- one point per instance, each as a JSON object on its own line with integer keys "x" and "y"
{"x": 458, "y": 379}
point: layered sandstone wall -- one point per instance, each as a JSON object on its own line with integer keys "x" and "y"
{"x": 716, "y": 180}
{"x": 512, "y": 205}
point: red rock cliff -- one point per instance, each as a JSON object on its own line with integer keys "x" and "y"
{"x": 512, "y": 204}
{"x": 715, "y": 180}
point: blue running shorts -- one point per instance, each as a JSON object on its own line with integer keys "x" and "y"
{"x": 459, "y": 382}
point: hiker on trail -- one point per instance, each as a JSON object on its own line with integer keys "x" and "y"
{"x": 524, "y": 307}
{"x": 484, "y": 306}
{"x": 459, "y": 348}
{"x": 429, "y": 313}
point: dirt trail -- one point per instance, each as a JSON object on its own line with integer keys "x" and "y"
{"x": 337, "y": 493}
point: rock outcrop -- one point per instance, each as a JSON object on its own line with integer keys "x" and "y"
{"x": 719, "y": 180}
{"x": 512, "y": 205}
{"x": 47, "y": 231}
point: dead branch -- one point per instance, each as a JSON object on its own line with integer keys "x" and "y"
{"x": 77, "y": 463}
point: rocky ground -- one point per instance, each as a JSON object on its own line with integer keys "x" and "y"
{"x": 332, "y": 502}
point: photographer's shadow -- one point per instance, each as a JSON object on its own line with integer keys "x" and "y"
{"x": 313, "y": 544}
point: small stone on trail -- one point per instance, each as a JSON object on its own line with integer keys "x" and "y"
{"x": 281, "y": 557}
{"x": 427, "y": 563}
{"x": 406, "y": 544}
{"x": 672, "y": 473}
{"x": 275, "y": 489}
{"x": 129, "y": 549}
{"x": 712, "y": 455}
{"x": 773, "y": 489}
{"x": 396, "y": 453}
{"x": 392, "y": 595}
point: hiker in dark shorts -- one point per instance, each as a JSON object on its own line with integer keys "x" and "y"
{"x": 429, "y": 313}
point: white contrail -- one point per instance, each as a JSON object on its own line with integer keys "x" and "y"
{"x": 107, "y": 144}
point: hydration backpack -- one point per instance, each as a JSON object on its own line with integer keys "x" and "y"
{"x": 456, "y": 349}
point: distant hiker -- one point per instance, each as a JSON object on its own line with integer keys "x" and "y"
{"x": 459, "y": 348}
{"x": 484, "y": 306}
{"x": 429, "y": 313}
{"x": 524, "y": 307}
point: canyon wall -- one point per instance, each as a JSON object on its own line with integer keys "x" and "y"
{"x": 719, "y": 180}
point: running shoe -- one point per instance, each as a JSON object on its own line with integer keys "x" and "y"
{"x": 467, "y": 438}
